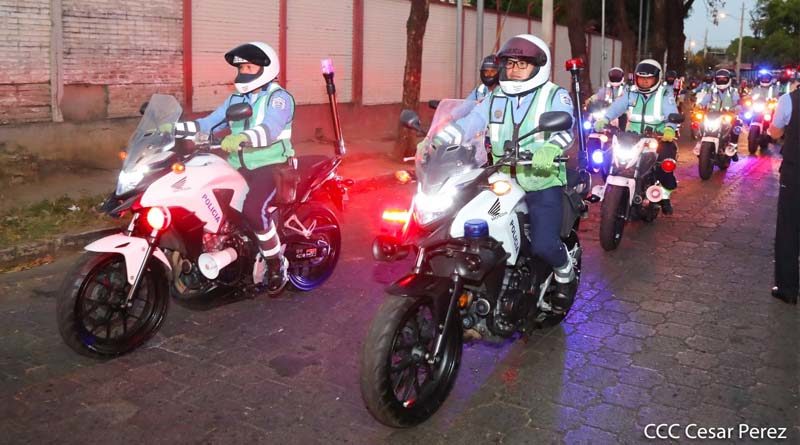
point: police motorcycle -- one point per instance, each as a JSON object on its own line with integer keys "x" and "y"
{"x": 631, "y": 190}
{"x": 717, "y": 145}
{"x": 757, "y": 115}
{"x": 473, "y": 275}
{"x": 598, "y": 143}
{"x": 187, "y": 237}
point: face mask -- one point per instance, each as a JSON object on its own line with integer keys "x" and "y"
{"x": 247, "y": 78}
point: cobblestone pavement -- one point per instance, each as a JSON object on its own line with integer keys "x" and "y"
{"x": 676, "y": 326}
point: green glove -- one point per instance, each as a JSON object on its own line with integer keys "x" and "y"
{"x": 232, "y": 142}
{"x": 166, "y": 128}
{"x": 542, "y": 160}
{"x": 599, "y": 124}
{"x": 669, "y": 134}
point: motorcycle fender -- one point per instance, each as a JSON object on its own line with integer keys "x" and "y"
{"x": 756, "y": 124}
{"x": 624, "y": 182}
{"x": 132, "y": 248}
{"x": 711, "y": 139}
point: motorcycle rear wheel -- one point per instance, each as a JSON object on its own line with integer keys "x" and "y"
{"x": 91, "y": 315}
{"x": 312, "y": 274}
{"x": 398, "y": 385}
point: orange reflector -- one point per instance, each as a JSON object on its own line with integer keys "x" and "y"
{"x": 500, "y": 188}
{"x": 395, "y": 216}
{"x": 402, "y": 176}
{"x": 178, "y": 167}
{"x": 463, "y": 300}
{"x": 122, "y": 155}
{"x": 668, "y": 165}
{"x": 158, "y": 218}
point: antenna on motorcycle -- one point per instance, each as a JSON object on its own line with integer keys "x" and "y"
{"x": 575, "y": 66}
{"x": 327, "y": 73}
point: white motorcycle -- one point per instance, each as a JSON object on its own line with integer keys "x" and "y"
{"x": 187, "y": 236}
{"x": 474, "y": 273}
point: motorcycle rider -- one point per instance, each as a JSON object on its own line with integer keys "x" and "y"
{"x": 648, "y": 105}
{"x": 723, "y": 98}
{"x": 765, "y": 89}
{"x": 611, "y": 91}
{"x": 669, "y": 82}
{"x": 525, "y": 93}
{"x": 267, "y": 135}
{"x": 706, "y": 85}
{"x": 490, "y": 76}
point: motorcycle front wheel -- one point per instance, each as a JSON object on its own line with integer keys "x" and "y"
{"x": 612, "y": 218}
{"x": 93, "y": 319}
{"x": 753, "y": 137}
{"x": 705, "y": 165}
{"x": 400, "y": 388}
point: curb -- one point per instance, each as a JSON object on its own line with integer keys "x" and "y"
{"x": 16, "y": 255}
{"x": 13, "y": 256}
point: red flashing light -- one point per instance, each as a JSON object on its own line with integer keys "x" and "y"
{"x": 395, "y": 216}
{"x": 574, "y": 64}
{"x": 668, "y": 165}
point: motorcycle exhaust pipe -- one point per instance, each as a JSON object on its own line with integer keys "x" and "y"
{"x": 654, "y": 193}
{"x": 211, "y": 263}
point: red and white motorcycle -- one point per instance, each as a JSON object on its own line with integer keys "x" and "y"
{"x": 187, "y": 236}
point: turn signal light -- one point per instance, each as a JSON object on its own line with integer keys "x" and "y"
{"x": 727, "y": 118}
{"x": 748, "y": 103}
{"x": 698, "y": 116}
{"x": 603, "y": 138}
{"x": 402, "y": 176}
{"x": 500, "y": 188}
{"x": 668, "y": 165}
{"x": 122, "y": 155}
{"x": 178, "y": 167}
{"x": 395, "y": 216}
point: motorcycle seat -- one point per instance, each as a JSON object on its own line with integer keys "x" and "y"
{"x": 295, "y": 183}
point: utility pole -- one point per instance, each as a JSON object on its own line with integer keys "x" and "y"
{"x": 478, "y": 40}
{"x": 739, "y": 53}
{"x": 547, "y": 23}
{"x": 459, "y": 42}
{"x": 603, "y": 41}
{"x": 705, "y": 45}
{"x": 639, "y": 42}
{"x": 646, "y": 27}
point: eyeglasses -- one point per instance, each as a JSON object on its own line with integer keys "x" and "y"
{"x": 521, "y": 64}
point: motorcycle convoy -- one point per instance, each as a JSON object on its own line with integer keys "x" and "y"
{"x": 467, "y": 227}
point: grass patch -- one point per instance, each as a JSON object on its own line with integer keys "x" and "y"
{"x": 49, "y": 218}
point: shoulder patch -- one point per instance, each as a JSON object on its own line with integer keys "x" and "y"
{"x": 565, "y": 99}
{"x": 278, "y": 103}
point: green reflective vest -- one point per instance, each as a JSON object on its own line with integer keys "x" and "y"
{"x": 277, "y": 152}
{"x": 647, "y": 112}
{"x": 502, "y": 129}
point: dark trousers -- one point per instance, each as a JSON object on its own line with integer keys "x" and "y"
{"x": 667, "y": 150}
{"x": 787, "y": 239}
{"x": 545, "y": 213}
{"x": 262, "y": 190}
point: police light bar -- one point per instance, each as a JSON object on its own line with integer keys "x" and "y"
{"x": 574, "y": 64}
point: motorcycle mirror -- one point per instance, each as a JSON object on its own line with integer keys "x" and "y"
{"x": 410, "y": 120}
{"x": 239, "y": 112}
{"x": 675, "y": 118}
{"x": 143, "y": 108}
{"x": 433, "y": 103}
{"x": 555, "y": 121}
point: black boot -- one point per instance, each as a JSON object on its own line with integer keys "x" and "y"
{"x": 735, "y": 157}
{"x": 666, "y": 207}
{"x": 786, "y": 297}
{"x": 564, "y": 296}
{"x": 276, "y": 274}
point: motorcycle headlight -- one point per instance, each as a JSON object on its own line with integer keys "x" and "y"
{"x": 712, "y": 125}
{"x": 623, "y": 154}
{"x": 128, "y": 181}
{"x": 429, "y": 208}
{"x": 759, "y": 107}
{"x": 597, "y": 115}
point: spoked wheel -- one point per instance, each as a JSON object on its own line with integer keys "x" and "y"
{"x": 612, "y": 218}
{"x": 399, "y": 385}
{"x": 314, "y": 259}
{"x": 92, "y": 316}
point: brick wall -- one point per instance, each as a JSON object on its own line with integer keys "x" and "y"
{"x": 24, "y": 60}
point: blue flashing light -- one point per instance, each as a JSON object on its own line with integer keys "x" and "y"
{"x": 587, "y": 125}
{"x": 476, "y": 228}
{"x": 598, "y": 157}
{"x": 748, "y": 115}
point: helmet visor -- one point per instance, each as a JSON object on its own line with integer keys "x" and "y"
{"x": 615, "y": 76}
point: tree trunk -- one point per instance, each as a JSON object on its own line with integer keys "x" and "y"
{"x": 658, "y": 42}
{"x": 577, "y": 42}
{"x": 412, "y": 79}
{"x": 628, "y": 55}
{"x": 678, "y": 11}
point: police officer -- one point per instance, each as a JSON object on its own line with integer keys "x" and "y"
{"x": 525, "y": 93}
{"x": 267, "y": 136}
{"x": 765, "y": 89}
{"x": 723, "y": 97}
{"x": 669, "y": 82}
{"x": 785, "y": 81}
{"x": 490, "y": 77}
{"x": 786, "y": 123}
{"x": 607, "y": 94}
{"x": 648, "y": 104}
{"x": 706, "y": 85}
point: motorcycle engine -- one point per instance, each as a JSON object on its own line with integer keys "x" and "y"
{"x": 514, "y": 302}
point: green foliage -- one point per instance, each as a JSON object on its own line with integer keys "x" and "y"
{"x": 47, "y": 219}
{"x": 776, "y": 24}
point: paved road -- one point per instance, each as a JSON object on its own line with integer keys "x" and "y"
{"x": 677, "y": 326}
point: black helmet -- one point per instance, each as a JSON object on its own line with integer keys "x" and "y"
{"x": 670, "y": 76}
{"x": 709, "y": 77}
{"x": 645, "y": 69}
{"x": 490, "y": 71}
{"x": 722, "y": 78}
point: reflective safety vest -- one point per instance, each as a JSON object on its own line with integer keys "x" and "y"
{"x": 613, "y": 92}
{"x": 279, "y": 151}
{"x": 643, "y": 112}
{"x": 721, "y": 101}
{"x": 502, "y": 128}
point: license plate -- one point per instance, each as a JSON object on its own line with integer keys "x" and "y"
{"x": 306, "y": 253}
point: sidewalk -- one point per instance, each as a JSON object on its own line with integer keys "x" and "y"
{"x": 368, "y": 163}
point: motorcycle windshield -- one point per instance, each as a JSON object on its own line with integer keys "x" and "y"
{"x": 435, "y": 165}
{"x": 146, "y": 141}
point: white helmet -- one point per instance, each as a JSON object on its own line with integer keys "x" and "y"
{"x": 647, "y": 68}
{"x": 722, "y": 79}
{"x": 616, "y": 76}
{"x": 532, "y": 50}
{"x": 257, "y": 53}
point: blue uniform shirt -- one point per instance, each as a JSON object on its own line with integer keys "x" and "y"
{"x": 783, "y": 112}
{"x": 620, "y": 106}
